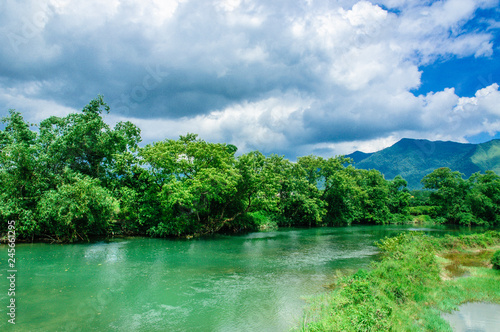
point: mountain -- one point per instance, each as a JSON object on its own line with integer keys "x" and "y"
{"x": 415, "y": 158}
{"x": 357, "y": 156}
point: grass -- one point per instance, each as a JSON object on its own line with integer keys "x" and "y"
{"x": 418, "y": 278}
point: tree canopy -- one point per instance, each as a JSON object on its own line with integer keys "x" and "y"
{"x": 70, "y": 178}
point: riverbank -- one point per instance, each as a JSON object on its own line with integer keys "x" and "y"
{"x": 418, "y": 279}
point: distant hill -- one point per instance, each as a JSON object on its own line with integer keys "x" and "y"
{"x": 359, "y": 156}
{"x": 415, "y": 158}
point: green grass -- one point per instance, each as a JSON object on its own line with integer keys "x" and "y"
{"x": 410, "y": 287}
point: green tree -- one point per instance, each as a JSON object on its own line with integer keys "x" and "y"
{"x": 344, "y": 198}
{"x": 31, "y": 164}
{"x": 399, "y": 197}
{"x": 198, "y": 181}
{"x": 483, "y": 198}
{"x": 375, "y": 196}
{"x": 258, "y": 183}
{"x": 300, "y": 200}
{"x": 137, "y": 187}
{"x": 84, "y": 143}
{"x": 449, "y": 195}
{"x": 21, "y": 184}
{"x": 338, "y": 185}
{"x": 77, "y": 209}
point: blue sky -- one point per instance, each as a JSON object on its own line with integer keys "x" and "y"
{"x": 287, "y": 77}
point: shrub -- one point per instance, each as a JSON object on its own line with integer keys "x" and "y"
{"x": 259, "y": 220}
{"x": 75, "y": 211}
{"x": 422, "y": 209}
{"x": 399, "y": 218}
{"x": 495, "y": 260}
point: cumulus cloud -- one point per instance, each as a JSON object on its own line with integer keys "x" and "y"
{"x": 290, "y": 78}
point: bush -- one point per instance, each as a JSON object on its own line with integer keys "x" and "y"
{"x": 375, "y": 300}
{"x": 422, "y": 209}
{"x": 423, "y": 219}
{"x": 253, "y": 221}
{"x": 398, "y": 218}
{"x": 76, "y": 211}
{"x": 495, "y": 260}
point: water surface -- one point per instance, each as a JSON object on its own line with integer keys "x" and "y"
{"x": 252, "y": 282}
{"x": 475, "y": 317}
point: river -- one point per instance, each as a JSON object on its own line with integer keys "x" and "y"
{"x": 251, "y": 282}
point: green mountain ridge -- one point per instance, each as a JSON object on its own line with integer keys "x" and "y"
{"x": 415, "y": 158}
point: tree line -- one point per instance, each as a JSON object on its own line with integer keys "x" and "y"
{"x": 70, "y": 178}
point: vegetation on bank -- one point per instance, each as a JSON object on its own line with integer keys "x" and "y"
{"x": 495, "y": 260}
{"x": 410, "y": 287}
{"x": 70, "y": 178}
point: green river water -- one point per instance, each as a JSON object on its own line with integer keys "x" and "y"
{"x": 252, "y": 282}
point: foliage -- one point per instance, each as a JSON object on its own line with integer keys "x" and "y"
{"x": 373, "y": 301}
{"x": 34, "y": 168}
{"x": 351, "y": 195}
{"x": 197, "y": 184}
{"x": 77, "y": 209}
{"x": 495, "y": 260}
{"x": 76, "y": 176}
{"x": 472, "y": 201}
{"x": 461, "y": 242}
{"x": 419, "y": 198}
{"x": 84, "y": 143}
{"x": 299, "y": 202}
{"x": 402, "y": 291}
{"x": 21, "y": 183}
{"x": 422, "y": 210}
{"x": 257, "y": 221}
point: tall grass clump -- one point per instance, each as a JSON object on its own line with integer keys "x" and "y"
{"x": 479, "y": 240}
{"x": 405, "y": 290}
{"x": 384, "y": 298}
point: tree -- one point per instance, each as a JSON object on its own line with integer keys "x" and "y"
{"x": 198, "y": 182}
{"x": 375, "y": 197}
{"x": 258, "y": 183}
{"x": 483, "y": 198}
{"x": 344, "y": 198}
{"x": 449, "y": 194}
{"x": 76, "y": 209}
{"x": 84, "y": 143}
{"x": 21, "y": 183}
{"x": 35, "y": 166}
{"x": 299, "y": 197}
{"x": 398, "y": 199}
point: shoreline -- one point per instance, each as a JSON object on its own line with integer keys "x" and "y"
{"x": 45, "y": 238}
{"x": 411, "y": 287}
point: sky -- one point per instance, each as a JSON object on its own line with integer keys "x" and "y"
{"x": 294, "y": 77}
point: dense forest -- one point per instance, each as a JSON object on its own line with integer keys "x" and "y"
{"x": 70, "y": 178}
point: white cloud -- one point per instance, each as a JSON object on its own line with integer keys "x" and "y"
{"x": 485, "y": 104}
{"x": 270, "y": 125}
{"x": 265, "y": 125}
{"x": 365, "y": 14}
{"x": 270, "y": 75}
